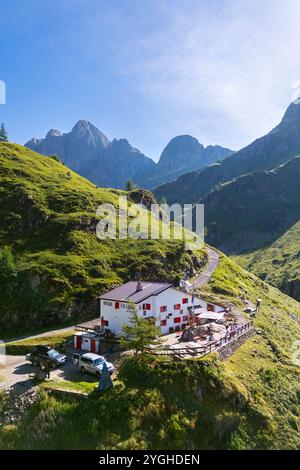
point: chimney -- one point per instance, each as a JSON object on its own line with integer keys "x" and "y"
{"x": 139, "y": 286}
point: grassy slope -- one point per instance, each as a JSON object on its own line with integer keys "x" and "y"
{"x": 58, "y": 340}
{"x": 47, "y": 219}
{"x": 263, "y": 209}
{"x": 279, "y": 263}
{"x": 250, "y": 401}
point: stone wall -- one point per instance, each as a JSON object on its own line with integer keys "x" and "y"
{"x": 67, "y": 395}
{"x": 228, "y": 349}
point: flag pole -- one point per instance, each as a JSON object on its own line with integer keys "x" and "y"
{"x": 193, "y": 303}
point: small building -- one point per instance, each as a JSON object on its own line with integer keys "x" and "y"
{"x": 170, "y": 307}
{"x": 87, "y": 336}
{"x": 85, "y": 341}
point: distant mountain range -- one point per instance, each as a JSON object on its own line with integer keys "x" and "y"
{"x": 89, "y": 152}
{"x": 184, "y": 154}
{"x": 256, "y": 218}
{"x": 278, "y": 146}
{"x": 253, "y": 210}
{"x": 251, "y": 197}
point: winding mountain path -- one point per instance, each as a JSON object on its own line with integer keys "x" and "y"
{"x": 213, "y": 261}
{"x": 204, "y": 277}
{"x": 40, "y": 335}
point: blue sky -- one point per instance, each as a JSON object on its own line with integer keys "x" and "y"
{"x": 223, "y": 71}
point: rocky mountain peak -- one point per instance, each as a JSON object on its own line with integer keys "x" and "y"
{"x": 122, "y": 145}
{"x": 292, "y": 113}
{"x": 88, "y": 151}
{"x": 53, "y": 133}
{"x": 180, "y": 151}
{"x": 84, "y": 129}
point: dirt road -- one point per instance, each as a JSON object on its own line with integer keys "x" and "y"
{"x": 213, "y": 261}
{"x": 204, "y": 277}
{"x": 40, "y": 335}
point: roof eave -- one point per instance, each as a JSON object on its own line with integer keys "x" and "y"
{"x": 140, "y": 300}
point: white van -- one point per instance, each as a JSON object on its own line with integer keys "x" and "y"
{"x": 91, "y": 363}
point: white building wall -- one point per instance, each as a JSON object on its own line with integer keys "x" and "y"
{"x": 117, "y": 317}
{"x": 169, "y": 299}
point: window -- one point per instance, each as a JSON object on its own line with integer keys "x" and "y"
{"x": 163, "y": 322}
{"x": 146, "y": 306}
{"x": 104, "y": 322}
{"x": 109, "y": 304}
{"x": 163, "y": 309}
{"x": 181, "y": 311}
{"x": 210, "y": 308}
{"x": 99, "y": 361}
{"x": 87, "y": 360}
{"x": 177, "y": 320}
{"x": 117, "y": 304}
{"x": 177, "y": 307}
{"x": 185, "y": 300}
{"x": 185, "y": 318}
{"x": 53, "y": 354}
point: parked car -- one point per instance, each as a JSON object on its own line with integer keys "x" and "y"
{"x": 91, "y": 363}
{"x": 43, "y": 354}
{"x": 249, "y": 310}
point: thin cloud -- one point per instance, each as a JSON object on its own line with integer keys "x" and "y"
{"x": 223, "y": 70}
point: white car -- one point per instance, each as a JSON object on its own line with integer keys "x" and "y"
{"x": 92, "y": 363}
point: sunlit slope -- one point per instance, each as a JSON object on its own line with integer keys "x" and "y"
{"x": 53, "y": 265}
{"x": 250, "y": 401}
{"x": 278, "y": 263}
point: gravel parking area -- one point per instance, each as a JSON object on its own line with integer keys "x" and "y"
{"x": 16, "y": 371}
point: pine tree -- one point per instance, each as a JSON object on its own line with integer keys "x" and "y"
{"x": 140, "y": 332}
{"x": 3, "y": 134}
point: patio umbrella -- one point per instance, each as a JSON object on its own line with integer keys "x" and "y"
{"x": 211, "y": 316}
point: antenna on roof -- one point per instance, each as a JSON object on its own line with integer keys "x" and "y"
{"x": 139, "y": 286}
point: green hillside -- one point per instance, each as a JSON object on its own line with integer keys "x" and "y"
{"x": 250, "y": 401}
{"x": 254, "y": 210}
{"x": 278, "y": 263}
{"x": 52, "y": 268}
{"x": 52, "y": 264}
{"x": 255, "y": 218}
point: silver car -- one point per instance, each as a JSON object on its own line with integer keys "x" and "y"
{"x": 92, "y": 363}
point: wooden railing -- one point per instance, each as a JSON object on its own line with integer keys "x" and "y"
{"x": 205, "y": 349}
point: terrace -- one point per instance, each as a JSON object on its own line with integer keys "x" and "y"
{"x": 208, "y": 332}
